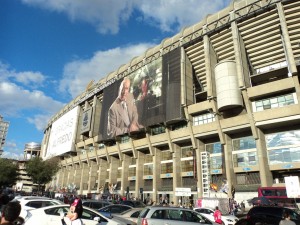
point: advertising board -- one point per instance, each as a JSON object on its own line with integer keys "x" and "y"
{"x": 63, "y": 133}
{"x": 146, "y": 97}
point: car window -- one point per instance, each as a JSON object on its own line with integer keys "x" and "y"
{"x": 49, "y": 203}
{"x": 294, "y": 215}
{"x": 144, "y": 213}
{"x": 135, "y": 214}
{"x": 57, "y": 211}
{"x": 195, "y": 217}
{"x": 89, "y": 215}
{"x": 176, "y": 214}
{"x": 86, "y": 204}
{"x": 160, "y": 214}
{"x": 35, "y": 204}
{"x": 96, "y": 205}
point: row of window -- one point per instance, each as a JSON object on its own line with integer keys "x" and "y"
{"x": 259, "y": 105}
{"x": 283, "y": 147}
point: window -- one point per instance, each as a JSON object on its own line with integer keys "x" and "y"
{"x": 166, "y": 155}
{"x": 187, "y": 165}
{"x": 244, "y": 143}
{"x": 245, "y": 159}
{"x": 214, "y": 148}
{"x": 35, "y": 204}
{"x": 148, "y": 169}
{"x": 274, "y": 102}
{"x": 244, "y": 152}
{"x": 216, "y": 162}
{"x": 57, "y": 211}
{"x": 132, "y": 171}
{"x": 186, "y": 152}
{"x": 89, "y": 215}
{"x": 283, "y": 147}
{"x": 203, "y": 119}
{"x": 167, "y": 168}
{"x": 124, "y": 139}
{"x": 158, "y": 130}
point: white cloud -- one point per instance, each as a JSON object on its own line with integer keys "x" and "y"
{"x": 177, "y": 14}
{"x": 25, "y": 78}
{"x": 30, "y": 78}
{"x": 107, "y": 16}
{"x": 16, "y": 99}
{"x": 12, "y": 151}
{"x": 78, "y": 73}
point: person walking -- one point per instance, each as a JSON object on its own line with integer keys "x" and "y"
{"x": 218, "y": 215}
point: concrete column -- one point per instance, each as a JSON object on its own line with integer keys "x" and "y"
{"x": 210, "y": 62}
{"x": 156, "y": 173}
{"x": 114, "y": 164}
{"x": 103, "y": 166}
{"x": 125, "y": 166}
{"x": 230, "y": 176}
{"x": 286, "y": 41}
{"x": 139, "y": 182}
{"x": 177, "y": 179}
{"x": 92, "y": 176}
{"x": 264, "y": 170}
{"x": 200, "y": 148}
{"x": 83, "y": 177}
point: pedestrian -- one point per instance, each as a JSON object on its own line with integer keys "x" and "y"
{"x": 218, "y": 215}
{"x": 242, "y": 207}
{"x": 75, "y": 213}
{"x": 287, "y": 220}
{"x": 10, "y": 213}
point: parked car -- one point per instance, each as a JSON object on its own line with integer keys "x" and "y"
{"x": 95, "y": 204}
{"x": 134, "y": 204}
{"x": 52, "y": 215}
{"x": 113, "y": 209}
{"x": 271, "y": 214}
{"x": 161, "y": 215}
{"x": 226, "y": 219}
{"x": 130, "y": 214}
{"x": 35, "y": 202}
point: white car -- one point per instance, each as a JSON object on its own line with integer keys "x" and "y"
{"x": 52, "y": 215}
{"x": 226, "y": 219}
{"x": 130, "y": 214}
{"x": 34, "y": 202}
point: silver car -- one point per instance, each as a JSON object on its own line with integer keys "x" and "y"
{"x": 161, "y": 215}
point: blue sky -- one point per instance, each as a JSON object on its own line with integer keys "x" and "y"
{"x": 51, "y": 49}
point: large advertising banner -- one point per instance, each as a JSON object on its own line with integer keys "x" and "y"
{"x": 134, "y": 102}
{"x": 63, "y": 134}
{"x": 148, "y": 96}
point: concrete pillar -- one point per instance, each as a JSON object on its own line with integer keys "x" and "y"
{"x": 200, "y": 148}
{"x": 177, "y": 179}
{"x": 103, "y": 166}
{"x": 264, "y": 170}
{"x": 286, "y": 41}
{"x": 156, "y": 173}
{"x": 230, "y": 176}
{"x": 92, "y": 176}
{"x": 139, "y": 182}
{"x": 114, "y": 164}
{"x": 125, "y": 174}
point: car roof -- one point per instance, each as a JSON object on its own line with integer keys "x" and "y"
{"x": 67, "y": 205}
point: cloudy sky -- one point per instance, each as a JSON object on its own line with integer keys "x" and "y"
{"x": 51, "y": 49}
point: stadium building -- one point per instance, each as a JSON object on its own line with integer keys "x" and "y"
{"x": 217, "y": 108}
